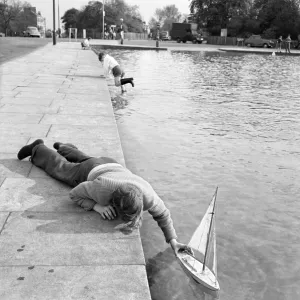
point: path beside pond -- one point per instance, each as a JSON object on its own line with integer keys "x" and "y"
{"x": 50, "y": 247}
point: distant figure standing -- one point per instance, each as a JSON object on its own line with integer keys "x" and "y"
{"x": 121, "y": 31}
{"x": 86, "y": 44}
{"x": 110, "y": 65}
{"x": 278, "y": 44}
{"x": 110, "y": 36}
{"x": 298, "y": 38}
{"x": 288, "y": 41}
{"x": 122, "y": 34}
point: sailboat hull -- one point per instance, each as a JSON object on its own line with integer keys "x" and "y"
{"x": 194, "y": 268}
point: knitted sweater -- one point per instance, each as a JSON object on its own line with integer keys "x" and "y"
{"x": 103, "y": 180}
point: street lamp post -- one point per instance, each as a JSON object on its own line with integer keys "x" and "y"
{"x": 157, "y": 35}
{"x": 58, "y": 20}
{"x": 54, "y": 35}
{"x": 103, "y": 19}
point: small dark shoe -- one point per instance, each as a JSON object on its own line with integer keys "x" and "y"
{"x": 27, "y": 150}
{"x": 57, "y": 145}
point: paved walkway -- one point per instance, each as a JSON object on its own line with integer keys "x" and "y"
{"x": 50, "y": 248}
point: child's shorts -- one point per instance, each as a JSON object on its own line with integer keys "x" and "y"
{"x": 117, "y": 71}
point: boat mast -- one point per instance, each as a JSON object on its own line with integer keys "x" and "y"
{"x": 208, "y": 234}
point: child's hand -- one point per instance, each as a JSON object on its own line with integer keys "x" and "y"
{"x": 106, "y": 212}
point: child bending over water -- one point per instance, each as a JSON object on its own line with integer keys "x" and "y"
{"x": 110, "y": 65}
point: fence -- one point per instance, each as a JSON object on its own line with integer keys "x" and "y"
{"x": 135, "y": 36}
{"x": 221, "y": 40}
{"x": 97, "y": 34}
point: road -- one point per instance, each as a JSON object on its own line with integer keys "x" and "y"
{"x": 13, "y": 47}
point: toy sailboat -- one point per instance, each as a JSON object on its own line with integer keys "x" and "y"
{"x": 203, "y": 242}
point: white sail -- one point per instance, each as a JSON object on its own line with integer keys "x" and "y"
{"x": 214, "y": 267}
{"x": 200, "y": 236}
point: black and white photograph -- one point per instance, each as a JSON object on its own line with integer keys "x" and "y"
{"x": 149, "y": 150}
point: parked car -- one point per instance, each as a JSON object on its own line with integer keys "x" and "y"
{"x": 191, "y": 38}
{"x": 164, "y": 36}
{"x": 32, "y": 32}
{"x": 258, "y": 41}
{"x": 2, "y": 34}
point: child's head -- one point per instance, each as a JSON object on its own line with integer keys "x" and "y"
{"x": 101, "y": 55}
{"x": 128, "y": 201}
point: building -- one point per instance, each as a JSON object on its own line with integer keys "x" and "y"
{"x": 32, "y": 18}
{"x": 41, "y": 24}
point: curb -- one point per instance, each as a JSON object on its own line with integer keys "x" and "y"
{"x": 259, "y": 52}
{"x": 127, "y": 47}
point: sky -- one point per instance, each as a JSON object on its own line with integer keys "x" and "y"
{"x": 147, "y": 7}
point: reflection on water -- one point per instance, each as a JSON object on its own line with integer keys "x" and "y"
{"x": 197, "y": 120}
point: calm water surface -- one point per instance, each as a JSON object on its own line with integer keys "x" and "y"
{"x": 198, "y": 120}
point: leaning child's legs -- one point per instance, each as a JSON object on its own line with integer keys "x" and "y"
{"x": 118, "y": 83}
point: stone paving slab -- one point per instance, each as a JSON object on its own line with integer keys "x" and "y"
{"x": 78, "y": 90}
{"x": 86, "y": 86}
{"x": 10, "y": 79}
{"x": 11, "y": 167}
{"x": 39, "y": 95}
{"x": 72, "y": 222}
{"x": 72, "y": 119}
{"x": 33, "y": 109}
{"x": 74, "y": 282}
{"x": 47, "y": 76}
{"x": 17, "y": 118}
{"x": 37, "y": 81}
{"x": 7, "y": 87}
{"x": 26, "y": 101}
{"x": 13, "y": 144}
{"x": 54, "y": 249}
{"x": 38, "y": 194}
{"x": 80, "y": 132}
{"x": 38, "y": 90}
{"x": 3, "y": 218}
{"x": 85, "y": 98}
{"x": 85, "y": 110}
{"x": 4, "y": 93}
{"x": 48, "y": 85}
{"x": 24, "y": 130}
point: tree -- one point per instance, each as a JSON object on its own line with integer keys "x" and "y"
{"x": 70, "y": 18}
{"x": 9, "y": 11}
{"x": 91, "y": 16}
{"x": 219, "y": 13}
{"x": 165, "y": 16}
{"x": 20, "y": 23}
{"x": 278, "y": 17}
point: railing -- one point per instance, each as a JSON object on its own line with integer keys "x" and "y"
{"x": 221, "y": 40}
{"x": 96, "y": 34}
{"x": 135, "y": 36}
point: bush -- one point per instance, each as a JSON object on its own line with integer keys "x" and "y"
{"x": 270, "y": 33}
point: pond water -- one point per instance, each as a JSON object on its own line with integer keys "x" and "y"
{"x": 197, "y": 120}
